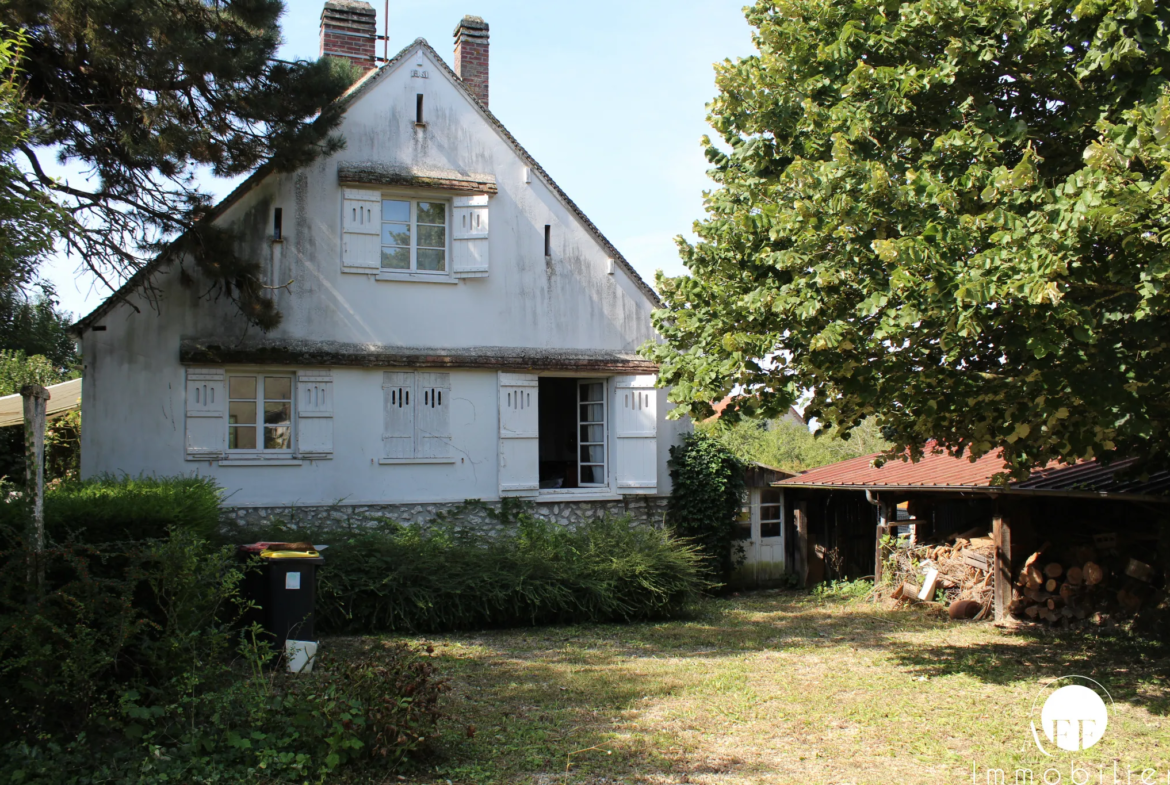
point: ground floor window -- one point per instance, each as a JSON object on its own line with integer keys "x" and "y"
{"x": 573, "y": 433}
{"x": 260, "y": 412}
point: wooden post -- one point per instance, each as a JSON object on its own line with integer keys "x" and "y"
{"x": 878, "y": 555}
{"x": 800, "y": 518}
{"x": 36, "y": 399}
{"x": 1002, "y": 533}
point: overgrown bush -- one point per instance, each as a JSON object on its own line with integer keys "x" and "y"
{"x": 708, "y": 492}
{"x": 126, "y": 667}
{"x": 112, "y": 509}
{"x": 450, "y": 575}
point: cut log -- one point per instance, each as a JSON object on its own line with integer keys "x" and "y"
{"x": 1075, "y": 576}
{"x": 1050, "y": 585}
{"x": 1140, "y": 570}
{"x": 1054, "y": 570}
{"x": 1067, "y": 590}
{"x": 1032, "y": 611}
{"x": 909, "y": 590}
{"x": 1054, "y": 603}
{"x": 1093, "y": 573}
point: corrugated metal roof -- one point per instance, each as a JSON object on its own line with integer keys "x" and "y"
{"x": 940, "y": 471}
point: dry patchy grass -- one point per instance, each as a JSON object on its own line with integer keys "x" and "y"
{"x": 781, "y": 688}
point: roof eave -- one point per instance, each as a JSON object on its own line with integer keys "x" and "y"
{"x": 982, "y": 489}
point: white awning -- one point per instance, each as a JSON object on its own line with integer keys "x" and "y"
{"x": 63, "y": 397}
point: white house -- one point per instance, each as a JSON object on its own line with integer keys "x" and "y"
{"x": 454, "y": 326}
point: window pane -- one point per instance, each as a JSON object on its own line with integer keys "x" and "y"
{"x": 242, "y": 437}
{"x": 769, "y": 512}
{"x": 432, "y": 213}
{"x": 432, "y": 236}
{"x": 277, "y": 413}
{"x": 396, "y": 234}
{"x": 592, "y": 391}
{"x": 770, "y": 529}
{"x": 770, "y": 496}
{"x": 396, "y": 258}
{"x": 395, "y": 211}
{"x": 743, "y": 531}
{"x": 431, "y": 259}
{"x": 593, "y": 454}
{"x": 277, "y": 388}
{"x": 593, "y": 474}
{"x": 243, "y": 412}
{"x": 592, "y": 433}
{"x": 242, "y": 387}
{"x": 278, "y": 438}
{"x": 591, "y": 412}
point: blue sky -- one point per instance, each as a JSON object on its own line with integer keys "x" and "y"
{"x": 608, "y": 96}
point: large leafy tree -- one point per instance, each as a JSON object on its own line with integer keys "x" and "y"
{"x": 144, "y": 95}
{"x": 950, "y": 215}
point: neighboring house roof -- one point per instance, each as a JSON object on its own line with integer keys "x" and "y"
{"x": 355, "y": 92}
{"x": 942, "y": 472}
{"x": 791, "y": 416}
{"x": 63, "y": 397}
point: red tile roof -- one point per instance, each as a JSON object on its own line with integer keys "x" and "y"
{"x": 941, "y": 471}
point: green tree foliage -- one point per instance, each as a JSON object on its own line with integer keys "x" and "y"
{"x": 791, "y": 446}
{"x": 34, "y": 326}
{"x": 145, "y": 95}
{"x": 949, "y": 215}
{"x": 28, "y": 218}
{"x": 706, "y": 496}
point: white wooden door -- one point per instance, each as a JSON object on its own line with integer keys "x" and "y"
{"x": 764, "y": 552}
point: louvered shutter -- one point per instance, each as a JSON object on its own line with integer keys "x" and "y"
{"x": 519, "y": 434}
{"x": 432, "y": 415}
{"x": 314, "y": 406}
{"x": 398, "y": 415}
{"x": 636, "y": 434}
{"x": 469, "y": 236}
{"x": 206, "y": 407}
{"x": 361, "y": 228}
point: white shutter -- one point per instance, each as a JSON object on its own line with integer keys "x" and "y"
{"x": 398, "y": 414}
{"x": 314, "y": 407}
{"x": 206, "y": 405}
{"x": 519, "y": 434}
{"x": 433, "y": 418}
{"x": 469, "y": 236}
{"x": 361, "y": 229}
{"x": 635, "y": 417}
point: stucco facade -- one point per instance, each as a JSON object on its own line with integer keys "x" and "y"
{"x": 502, "y": 317}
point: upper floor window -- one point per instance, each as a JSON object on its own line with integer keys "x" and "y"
{"x": 414, "y": 235}
{"x": 260, "y": 409}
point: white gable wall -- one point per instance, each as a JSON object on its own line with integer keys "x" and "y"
{"x": 135, "y": 386}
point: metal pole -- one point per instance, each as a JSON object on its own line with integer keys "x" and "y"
{"x": 36, "y": 399}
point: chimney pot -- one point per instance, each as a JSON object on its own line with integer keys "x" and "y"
{"x": 349, "y": 30}
{"x": 471, "y": 55}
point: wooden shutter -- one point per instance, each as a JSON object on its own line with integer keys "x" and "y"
{"x": 432, "y": 415}
{"x": 206, "y": 407}
{"x": 635, "y": 418}
{"x": 314, "y": 408}
{"x": 398, "y": 414}
{"x": 519, "y": 434}
{"x": 361, "y": 229}
{"x": 469, "y": 236}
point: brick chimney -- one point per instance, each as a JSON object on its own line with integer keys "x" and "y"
{"x": 471, "y": 56}
{"x": 349, "y": 30}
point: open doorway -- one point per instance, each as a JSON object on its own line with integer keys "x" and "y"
{"x": 572, "y": 427}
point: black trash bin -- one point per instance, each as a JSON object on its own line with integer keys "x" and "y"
{"x": 284, "y": 588}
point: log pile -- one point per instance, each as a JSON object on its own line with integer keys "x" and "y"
{"x": 1083, "y": 583}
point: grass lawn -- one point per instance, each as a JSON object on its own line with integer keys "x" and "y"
{"x": 784, "y": 688}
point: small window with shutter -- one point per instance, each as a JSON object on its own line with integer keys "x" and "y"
{"x": 416, "y": 418}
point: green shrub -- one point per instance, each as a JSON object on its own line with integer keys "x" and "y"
{"x": 111, "y": 509}
{"x": 708, "y": 492}
{"x": 451, "y": 576}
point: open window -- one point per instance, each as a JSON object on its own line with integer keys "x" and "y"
{"x": 572, "y": 427}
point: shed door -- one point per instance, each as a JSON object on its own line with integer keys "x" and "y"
{"x": 519, "y": 434}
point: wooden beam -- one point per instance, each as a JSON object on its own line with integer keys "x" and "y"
{"x": 36, "y": 400}
{"x": 1002, "y": 590}
{"x": 800, "y": 519}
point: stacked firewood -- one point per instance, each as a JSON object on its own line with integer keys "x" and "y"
{"x": 962, "y": 572}
{"x": 1085, "y": 583}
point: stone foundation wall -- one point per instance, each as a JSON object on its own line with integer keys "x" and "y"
{"x": 647, "y": 510}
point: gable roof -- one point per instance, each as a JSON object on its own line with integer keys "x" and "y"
{"x": 355, "y": 92}
{"x": 942, "y": 472}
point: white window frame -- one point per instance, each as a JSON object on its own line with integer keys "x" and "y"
{"x": 605, "y": 430}
{"x": 608, "y": 490}
{"x": 413, "y": 273}
{"x": 259, "y": 450}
